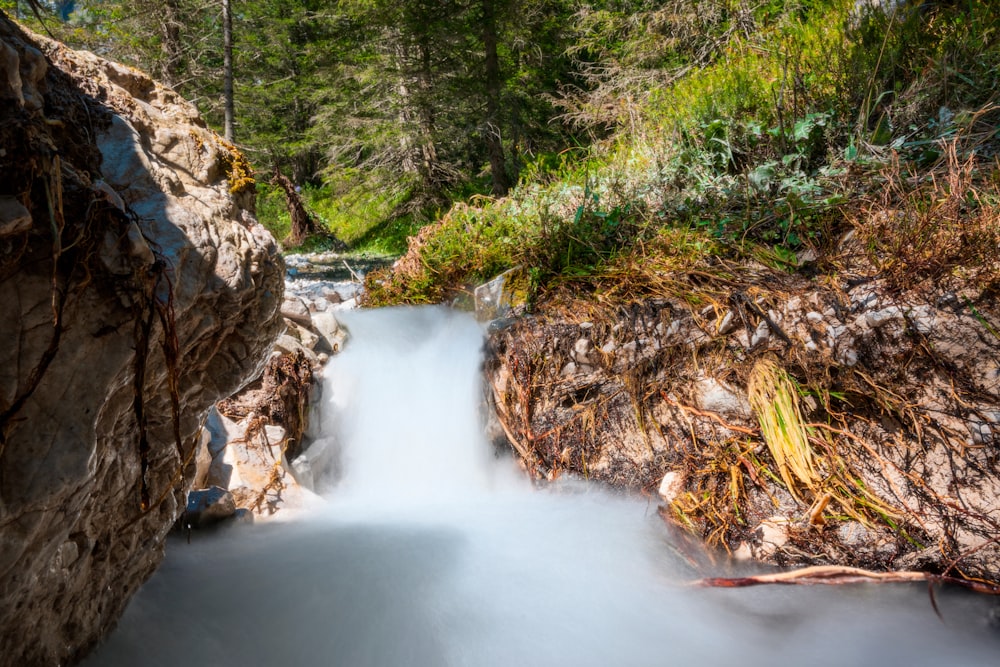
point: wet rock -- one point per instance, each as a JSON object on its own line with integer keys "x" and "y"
{"x": 503, "y": 295}
{"x": 209, "y": 506}
{"x": 669, "y": 395}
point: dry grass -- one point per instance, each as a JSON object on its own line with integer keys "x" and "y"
{"x": 774, "y": 399}
{"x": 943, "y": 223}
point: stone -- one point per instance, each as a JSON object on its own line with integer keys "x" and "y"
{"x": 771, "y": 535}
{"x": 84, "y": 510}
{"x": 853, "y": 534}
{"x": 203, "y": 460}
{"x": 582, "y": 350}
{"x": 503, "y": 295}
{"x": 295, "y": 309}
{"x": 761, "y": 335}
{"x": 206, "y": 507}
{"x": 328, "y": 328}
{"x": 14, "y": 217}
{"x": 306, "y": 337}
{"x": 719, "y": 397}
{"x": 879, "y": 318}
{"x": 671, "y": 486}
{"x": 728, "y": 323}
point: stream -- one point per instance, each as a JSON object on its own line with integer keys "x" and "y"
{"x": 429, "y": 550}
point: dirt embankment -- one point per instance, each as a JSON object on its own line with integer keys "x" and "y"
{"x": 839, "y": 419}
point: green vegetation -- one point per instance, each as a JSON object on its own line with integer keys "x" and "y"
{"x": 803, "y": 121}
{"x": 367, "y": 222}
{"x": 755, "y": 130}
{"x": 385, "y": 113}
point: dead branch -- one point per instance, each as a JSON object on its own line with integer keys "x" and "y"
{"x": 836, "y": 575}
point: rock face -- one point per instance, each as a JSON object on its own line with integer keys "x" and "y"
{"x": 136, "y": 290}
{"x": 896, "y": 396}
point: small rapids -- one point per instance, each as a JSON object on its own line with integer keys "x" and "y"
{"x": 431, "y": 551}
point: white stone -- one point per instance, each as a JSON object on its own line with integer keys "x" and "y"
{"x": 761, "y": 334}
{"x": 582, "y": 350}
{"x": 879, "y": 318}
{"x": 772, "y": 534}
{"x": 716, "y": 396}
{"x": 728, "y": 323}
{"x": 295, "y": 309}
{"x": 671, "y": 486}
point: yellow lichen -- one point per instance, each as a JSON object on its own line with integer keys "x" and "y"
{"x": 239, "y": 173}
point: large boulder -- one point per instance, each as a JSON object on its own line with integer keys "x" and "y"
{"x": 136, "y": 289}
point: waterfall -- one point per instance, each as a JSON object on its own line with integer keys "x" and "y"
{"x": 432, "y": 551}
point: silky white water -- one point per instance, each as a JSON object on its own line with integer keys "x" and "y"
{"x": 430, "y": 551}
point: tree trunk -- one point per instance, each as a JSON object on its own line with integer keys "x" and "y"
{"x": 494, "y": 83}
{"x": 227, "y": 70}
{"x": 303, "y": 224}
{"x": 170, "y": 35}
{"x": 429, "y": 159}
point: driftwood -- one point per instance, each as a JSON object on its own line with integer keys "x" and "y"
{"x": 837, "y": 575}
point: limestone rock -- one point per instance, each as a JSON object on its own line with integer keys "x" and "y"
{"x": 206, "y": 507}
{"x": 249, "y": 461}
{"x": 159, "y": 258}
{"x": 326, "y": 325}
{"x": 293, "y": 308}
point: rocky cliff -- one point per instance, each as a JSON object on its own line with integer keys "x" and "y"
{"x": 136, "y": 289}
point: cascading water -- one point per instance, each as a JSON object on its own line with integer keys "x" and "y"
{"x": 431, "y": 552}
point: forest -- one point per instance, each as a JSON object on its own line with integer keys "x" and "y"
{"x": 562, "y": 134}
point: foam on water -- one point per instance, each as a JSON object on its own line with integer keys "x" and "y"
{"x": 431, "y": 551}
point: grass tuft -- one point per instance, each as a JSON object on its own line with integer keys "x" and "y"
{"x": 774, "y": 399}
